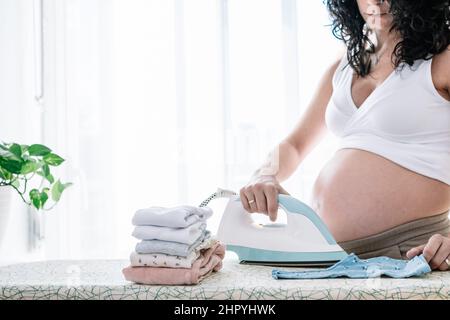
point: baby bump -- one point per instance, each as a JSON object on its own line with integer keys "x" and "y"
{"x": 359, "y": 194}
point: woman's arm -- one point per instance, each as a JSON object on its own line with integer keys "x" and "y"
{"x": 284, "y": 159}
{"x": 260, "y": 194}
{"x": 447, "y": 58}
{"x": 441, "y": 72}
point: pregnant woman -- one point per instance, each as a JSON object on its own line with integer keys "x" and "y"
{"x": 386, "y": 190}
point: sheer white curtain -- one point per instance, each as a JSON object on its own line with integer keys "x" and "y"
{"x": 19, "y": 112}
{"x": 156, "y": 102}
{"x": 78, "y": 122}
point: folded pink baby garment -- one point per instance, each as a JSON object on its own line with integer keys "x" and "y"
{"x": 209, "y": 260}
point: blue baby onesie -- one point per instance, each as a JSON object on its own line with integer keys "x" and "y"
{"x": 353, "y": 267}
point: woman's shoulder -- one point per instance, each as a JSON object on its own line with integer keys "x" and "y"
{"x": 443, "y": 59}
{"x": 440, "y": 70}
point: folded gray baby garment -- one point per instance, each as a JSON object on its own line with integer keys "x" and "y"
{"x": 353, "y": 267}
{"x": 170, "y": 247}
{"x": 175, "y": 217}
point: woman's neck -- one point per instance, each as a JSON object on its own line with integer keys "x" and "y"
{"x": 386, "y": 41}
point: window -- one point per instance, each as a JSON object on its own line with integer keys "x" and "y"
{"x": 157, "y": 102}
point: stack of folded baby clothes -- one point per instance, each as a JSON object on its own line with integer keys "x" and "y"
{"x": 175, "y": 246}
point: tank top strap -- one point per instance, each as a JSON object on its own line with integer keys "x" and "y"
{"x": 341, "y": 71}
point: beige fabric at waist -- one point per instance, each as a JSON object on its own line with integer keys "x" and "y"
{"x": 395, "y": 242}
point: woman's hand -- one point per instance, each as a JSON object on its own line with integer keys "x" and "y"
{"x": 436, "y": 252}
{"x": 261, "y": 195}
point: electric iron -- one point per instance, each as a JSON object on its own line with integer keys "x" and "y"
{"x": 303, "y": 241}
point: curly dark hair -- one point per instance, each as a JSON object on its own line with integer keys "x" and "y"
{"x": 424, "y": 27}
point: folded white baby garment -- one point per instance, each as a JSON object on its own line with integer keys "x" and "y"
{"x": 163, "y": 260}
{"x": 175, "y": 217}
{"x": 182, "y": 235}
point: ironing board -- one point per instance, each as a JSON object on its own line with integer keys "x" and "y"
{"x": 102, "y": 279}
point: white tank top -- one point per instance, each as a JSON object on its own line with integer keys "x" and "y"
{"x": 404, "y": 120}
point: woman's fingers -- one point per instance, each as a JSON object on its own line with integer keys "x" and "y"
{"x": 432, "y": 247}
{"x": 244, "y": 200}
{"x": 415, "y": 251}
{"x": 252, "y": 202}
{"x": 246, "y": 197}
{"x": 444, "y": 266}
{"x": 272, "y": 201}
{"x": 442, "y": 253}
{"x": 436, "y": 251}
{"x": 260, "y": 199}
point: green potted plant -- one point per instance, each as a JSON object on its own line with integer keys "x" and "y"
{"x": 20, "y": 165}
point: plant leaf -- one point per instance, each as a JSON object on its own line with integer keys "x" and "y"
{"x": 58, "y": 189}
{"x": 10, "y": 161}
{"x": 35, "y": 197}
{"x": 7, "y": 154}
{"x": 16, "y": 150}
{"x": 53, "y": 159}
{"x": 12, "y": 166}
{"x": 45, "y": 170}
{"x": 68, "y": 184}
{"x": 50, "y": 178}
{"x": 38, "y": 150}
{"x": 43, "y": 198}
{"x": 7, "y": 174}
{"x": 29, "y": 166}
